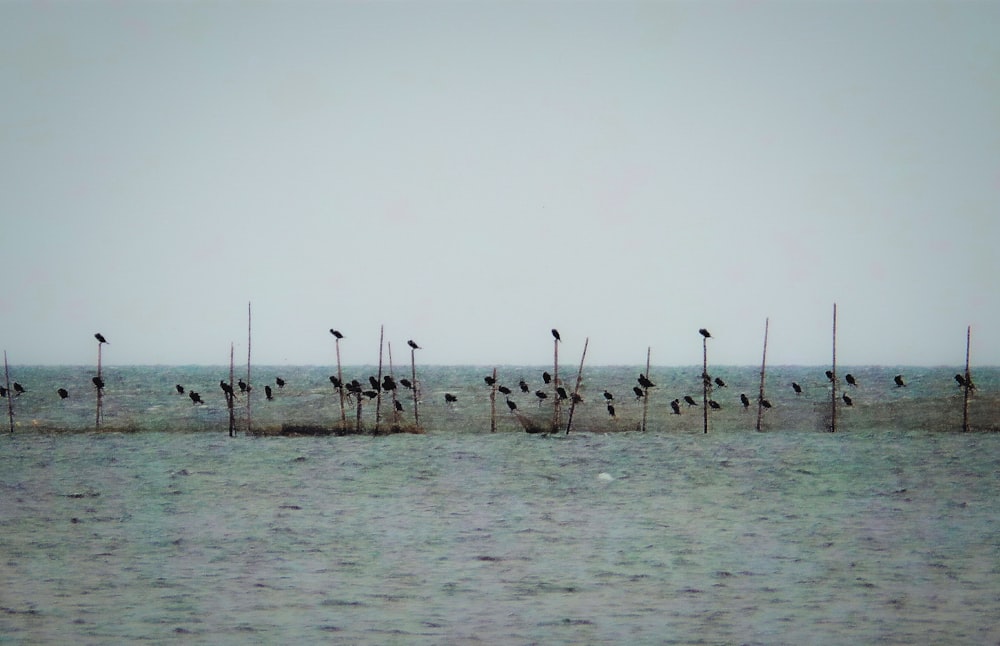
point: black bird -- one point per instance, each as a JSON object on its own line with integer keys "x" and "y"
{"x": 3, "y": 391}
{"x": 849, "y": 378}
{"x": 406, "y": 384}
{"x": 523, "y": 385}
{"x": 546, "y": 377}
{"x": 720, "y": 383}
{"x": 541, "y": 394}
{"x": 489, "y": 380}
{"x": 504, "y": 390}
{"x": 797, "y": 388}
{"x": 370, "y": 394}
{"x": 644, "y": 382}
{"x": 961, "y": 380}
{"x": 412, "y": 344}
{"x": 388, "y": 383}
{"x": 243, "y": 385}
{"x": 374, "y": 384}
{"x": 829, "y": 375}
{"x": 690, "y": 401}
{"x": 744, "y": 400}
{"x": 280, "y": 382}
{"x": 226, "y": 388}
{"x": 511, "y": 405}
{"x": 608, "y": 396}
{"x": 704, "y": 333}
{"x": 268, "y": 393}
{"x": 555, "y": 334}
{"x": 765, "y": 403}
{"x": 611, "y": 410}
{"x": 336, "y": 382}
{"x": 562, "y": 392}
{"x": 848, "y": 400}
{"x": 195, "y": 397}
{"x": 100, "y": 338}
{"x": 180, "y": 389}
{"x": 97, "y": 381}
{"x": 714, "y": 404}
{"x": 63, "y": 393}
{"x": 398, "y": 405}
{"x": 638, "y": 392}
{"x": 451, "y": 399}
{"x": 676, "y": 406}
{"x": 19, "y": 389}
{"x": 336, "y": 333}
{"x": 899, "y": 381}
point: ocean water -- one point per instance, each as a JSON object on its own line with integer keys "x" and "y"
{"x": 161, "y": 528}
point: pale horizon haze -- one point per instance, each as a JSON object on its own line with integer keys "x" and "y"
{"x": 472, "y": 174}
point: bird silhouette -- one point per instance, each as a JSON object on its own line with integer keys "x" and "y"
{"x": 100, "y": 338}
{"x": 638, "y": 392}
{"x": 336, "y": 382}
{"x": 398, "y": 405}
{"x": 608, "y": 396}
{"x": 523, "y": 385}
{"x": 546, "y": 377}
{"x": 504, "y": 390}
{"x": 388, "y": 383}
{"x": 899, "y": 381}
{"x": 449, "y": 398}
{"x": 412, "y": 344}
{"x": 195, "y": 397}
{"x": 555, "y": 334}
{"x": 3, "y": 391}
{"x": 280, "y": 382}
{"x": 797, "y": 388}
{"x": 765, "y": 403}
{"x": 961, "y": 380}
{"x": 489, "y": 380}
{"x": 226, "y": 388}
{"x": 676, "y": 406}
{"x": 705, "y": 333}
{"x": 19, "y": 389}
{"x": 511, "y": 405}
{"x": 541, "y": 395}
{"x": 644, "y": 382}
{"x": 829, "y": 375}
{"x": 720, "y": 383}
{"x": 561, "y": 392}
{"x": 63, "y": 393}
{"x": 848, "y": 400}
{"x": 243, "y": 385}
{"x": 714, "y": 404}
{"x": 849, "y": 378}
{"x": 690, "y": 401}
{"x": 376, "y": 386}
{"x": 97, "y": 381}
{"x": 611, "y": 410}
{"x": 268, "y": 393}
{"x": 336, "y": 333}
{"x": 744, "y": 400}
{"x": 406, "y": 384}
{"x": 180, "y": 389}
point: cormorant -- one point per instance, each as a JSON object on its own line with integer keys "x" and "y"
{"x": 336, "y": 382}
{"x": 849, "y": 378}
{"x": 195, "y": 397}
{"x": 562, "y": 392}
{"x": 720, "y": 383}
{"x": 848, "y": 400}
{"x": 829, "y": 375}
{"x": 676, "y": 406}
{"x": 388, "y": 383}
{"x": 541, "y": 394}
{"x": 180, "y": 389}
{"x": 336, "y": 333}
{"x": 611, "y": 410}
{"x": 504, "y": 390}
{"x": 226, "y": 388}
{"x": 744, "y": 400}
{"x": 608, "y": 396}
{"x": 451, "y": 399}
{"x": 765, "y": 403}
{"x": 555, "y": 334}
{"x": 242, "y": 384}
{"x": 3, "y": 391}
{"x": 268, "y": 393}
{"x": 523, "y": 385}
{"x": 638, "y": 392}
{"x": 398, "y": 405}
{"x": 374, "y": 384}
{"x": 690, "y": 401}
{"x": 100, "y": 338}
{"x": 961, "y": 380}
{"x": 704, "y": 333}
{"x": 412, "y": 344}
{"x": 280, "y": 382}
{"x": 489, "y": 380}
{"x": 97, "y": 381}
{"x": 644, "y": 382}
{"x": 511, "y": 405}
{"x": 18, "y": 388}
{"x": 899, "y": 381}
{"x": 406, "y": 383}
{"x": 714, "y": 404}
{"x": 546, "y": 377}
{"x": 63, "y": 393}
{"x": 797, "y": 388}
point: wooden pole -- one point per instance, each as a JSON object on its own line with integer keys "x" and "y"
{"x": 100, "y": 389}
{"x": 968, "y": 381}
{"x": 378, "y": 390}
{"x": 392, "y": 375}
{"x": 576, "y": 390}
{"x": 340, "y": 389}
{"x": 763, "y": 362}
{"x": 705, "y": 381}
{"x": 413, "y": 382}
{"x": 493, "y": 403}
{"x": 10, "y": 402}
{"x": 249, "y": 328}
{"x": 833, "y": 377}
{"x": 645, "y": 391}
{"x": 229, "y": 393}
{"x": 557, "y": 403}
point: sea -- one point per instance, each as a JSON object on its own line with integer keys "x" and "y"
{"x": 154, "y": 522}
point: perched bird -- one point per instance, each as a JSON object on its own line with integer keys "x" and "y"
{"x": 376, "y": 386}
{"x": 406, "y": 383}
{"x": 555, "y": 334}
{"x": 541, "y": 395}
{"x": 370, "y": 394}
{"x": 961, "y": 380}
{"x": 561, "y": 392}
{"x": 676, "y": 406}
{"x": 899, "y": 381}
{"x": 644, "y": 382}
{"x": 268, "y": 393}
{"x": 704, "y": 333}
{"x": 398, "y": 405}
{"x": 100, "y": 338}
{"x": 412, "y": 344}
{"x": 451, "y": 399}
{"x": 638, "y": 392}
{"x": 243, "y": 385}
{"x": 511, "y": 405}
{"x": 829, "y": 375}
{"x": 765, "y": 403}
{"x": 523, "y": 385}
{"x": 336, "y": 382}
{"x": 744, "y": 400}
{"x": 336, "y": 333}
{"x": 720, "y": 383}
{"x": 611, "y": 410}
{"x": 280, "y": 382}
{"x": 388, "y": 383}
{"x": 797, "y": 388}
{"x": 714, "y": 404}
{"x": 849, "y": 378}
{"x": 504, "y": 390}
{"x": 608, "y": 396}
{"x": 226, "y": 388}
{"x": 180, "y": 389}
{"x": 489, "y": 380}
{"x": 848, "y": 400}
{"x": 690, "y": 401}
{"x": 195, "y": 397}
{"x": 63, "y": 393}
{"x": 546, "y": 377}
{"x": 19, "y": 389}
{"x": 3, "y": 391}
{"x": 97, "y": 381}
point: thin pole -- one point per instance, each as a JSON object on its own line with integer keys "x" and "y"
{"x": 229, "y": 393}
{"x": 763, "y": 362}
{"x": 576, "y": 390}
{"x": 249, "y": 418}
{"x": 392, "y": 375}
{"x": 968, "y": 381}
{"x": 10, "y": 402}
{"x": 413, "y": 382}
{"x": 557, "y": 404}
{"x": 493, "y": 403}
{"x": 645, "y": 390}
{"x": 378, "y": 396}
{"x": 704, "y": 380}
{"x": 833, "y": 377}
{"x": 340, "y": 388}
{"x": 100, "y": 389}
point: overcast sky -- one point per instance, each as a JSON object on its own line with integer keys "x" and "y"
{"x": 472, "y": 174}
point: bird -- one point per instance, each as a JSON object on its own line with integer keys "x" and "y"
{"x": 849, "y": 378}
{"x": 97, "y": 381}
{"x": 226, "y": 388}
{"x": 336, "y": 333}
{"x": 268, "y": 393}
{"x": 398, "y": 405}
{"x": 705, "y": 333}
{"x": 511, "y": 405}
{"x": 406, "y": 384}
{"x": 413, "y": 344}
{"x": 744, "y": 400}
{"x": 611, "y": 410}
{"x": 829, "y": 375}
{"x": 280, "y": 382}
{"x": 561, "y": 392}
{"x": 546, "y": 377}
{"x": 714, "y": 404}
{"x": 489, "y": 380}
{"x": 690, "y": 401}
{"x": 848, "y": 400}
{"x": 797, "y": 388}
{"x": 720, "y": 383}
{"x": 3, "y": 391}
{"x": 961, "y": 380}
{"x": 336, "y": 382}
{"x": 504, "y": 390}
{"x": 608, "y": 396}
{"x": 644, "y": 382}
{"x": 180, "y": 389}
{"x": 63, "y": 393}
{"x": 523, "y": 385}
{"x": 541, "y": 395}
{"x": 388, "y": 383}
{"x": 100, "y": 338}
{"x": 676, "y": 406}
{"x": 899, "y": 381}
{"x": 195, "y": 397}
{"x": 451, "y": 399}
{"x": 243, "y": 385}
{"x": 765, "y": 403}
{"x": 555, "y": 334}
{"x": 370, "y": 394}
{"x": 19, "y": 389}
{"x": 638, "y": 392}
{"x": 374, "y": 384}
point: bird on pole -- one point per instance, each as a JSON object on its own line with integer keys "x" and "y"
{"x": 555, "y": 334}
{"x": 705, "y": 333}
{"x": 336, "y": 333}
{"x": 100, "y": 338}
{"x": 413, "y": 344}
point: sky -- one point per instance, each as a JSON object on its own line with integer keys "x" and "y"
{"x": 472, "y": 174}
